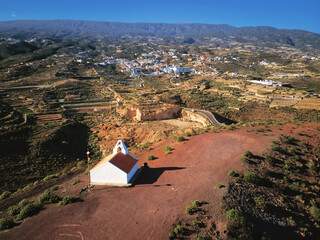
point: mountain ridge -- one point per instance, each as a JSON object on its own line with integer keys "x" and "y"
{"x": 264, "y": 35}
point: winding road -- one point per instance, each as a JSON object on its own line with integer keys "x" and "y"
{"x": 209, "y": 115}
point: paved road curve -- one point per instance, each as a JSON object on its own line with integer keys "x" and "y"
{"x": 209, "y": 115}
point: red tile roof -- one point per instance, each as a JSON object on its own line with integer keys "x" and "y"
{"x": 124, "y": 162}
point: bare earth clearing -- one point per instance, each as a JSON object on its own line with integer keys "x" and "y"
{"x": 158, "y": 200}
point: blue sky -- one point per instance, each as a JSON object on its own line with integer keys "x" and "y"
{"x": 294, "y": 14}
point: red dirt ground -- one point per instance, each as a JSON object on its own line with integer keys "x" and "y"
{"x": 159, "y": 198}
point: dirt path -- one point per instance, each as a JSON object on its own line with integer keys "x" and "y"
{"x": 159, "y": 198}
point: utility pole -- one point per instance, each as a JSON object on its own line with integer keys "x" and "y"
{"x": 88, "y": 157}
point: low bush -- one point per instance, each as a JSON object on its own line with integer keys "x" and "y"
{"x": 218, "y": 185}
{"x": 49, "y": 197}
{"x": 67, "y": 200}
{"x": 196, "y": 203}
{"x": 180, "y": 139}
{"x": 268, "y": 159}
{"x": 150, "y": 157}
{"x": 75, "y": 181}
{"x": 50, "y": 177}
{"x": 248, "y": 154}
{"x": 167, "y": 148}
{"x": 29, "y": 210}
{"x": 179, "y": 229}
{"x": 191, "y": 209}
{"x": 187, "y": 134}
{"x": 244, "y": 159}
{"x": 81, "y": 164}
{"x": 5, "y": 194}
{"x": 260, "y": 203}
{"x": 13, "y": 210}
{"x": 27, "y": 187}
{"x": 291, "y": 151}
{"x": 231, "y": 127}
{"x": 172, "y": 235}
{"x": 315, "y": 212}
{"x": 55, "y": 188}
{"x": 234, "y": 216}
{"x": 231, "y": 173}
{"x": 275, "y": 147}
{"x": 250, "y": 177}
{"x": 145, "y": 146}
{"x": 286, "y": 139}
{"x": 312, "y": 166}
{"x": 6, "y": 223}
{"x": 23, "y": 202}
{"x": 224, "y": 207}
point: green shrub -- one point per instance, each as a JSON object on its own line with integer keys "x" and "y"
{"x": 234, "y": 216}
{"x": 75, "y": 181}
{"x": 315, "y": 212}
{"x": 13, "y": 210}
{"x": 196, "y": 203}
{"x": 231, "y": 173}
{"x": 5, "y": 194}
{"x": 167, "y": 148}
{"x": 179, "y": 230}
{"x": 29, "y": 210}
{"x": 6, "y": 223}
{"x": 187, "y": 134}
{"x": 218, "y": 185}
{"x": 275, "y": 147}
{"x": 49, "y": 197}
{"x": 248, "y": 154}
{"x": 81, "y": 164}
{"x": 312, "y": 166}
{"x": 224, "y": 207}
{"x": 260, "y": 203}
{"x": 244, "y": 159}
{"x": 145, "y": 146}
{"x": 191, "y": 209}
{"x": 231, "y": 127}
{"x": 23, "y": 202}
{"x": 250, "y": 177}
{"x": 172, "y": 235}
{"x": 195, "y": 223}
{"x": 287, "y": 165}
{"x": 27, "y": 187}
{"x": 73, "y": 168}
{"x": 291, "y": 150}
{"x": 50, "y": 177}
{"x": 55, "y": 188}
{"x": 150, "y": 157}
{"x": 67, "y": 200}
{"x": 180, "y": 139}
{"x": 287, "y": 139}
{"x": 268, "y": 159}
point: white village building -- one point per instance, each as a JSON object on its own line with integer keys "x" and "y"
{"x": 115, "y": 169}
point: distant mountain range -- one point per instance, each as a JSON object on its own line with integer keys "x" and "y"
{"x": 221, "y": 35}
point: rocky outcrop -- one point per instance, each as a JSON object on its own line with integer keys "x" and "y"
{"x": 195, "y": 117}
{"x": 167, "y": 112}
{"x": 147, "y": 113}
